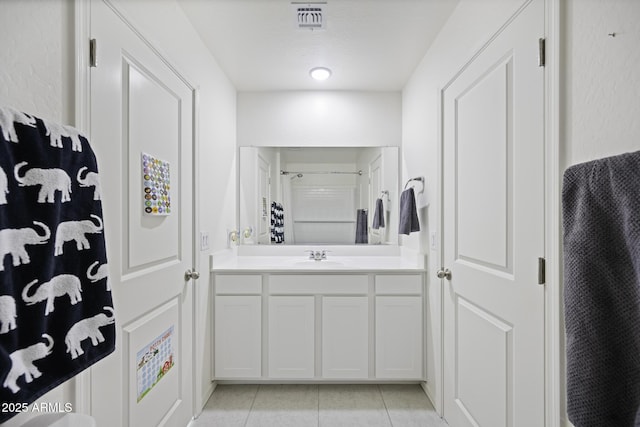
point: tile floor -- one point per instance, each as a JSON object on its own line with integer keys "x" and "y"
{"x": 313, "y": 405}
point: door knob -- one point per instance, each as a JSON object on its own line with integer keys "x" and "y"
{"x": 188, "y": 275}
{"x": 444, "y": 274}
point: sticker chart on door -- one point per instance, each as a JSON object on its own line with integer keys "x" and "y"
{"x": 154, "y": 361}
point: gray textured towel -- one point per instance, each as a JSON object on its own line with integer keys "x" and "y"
{"x": 362, "y": 235}
{"x": 408, "y": 213}
{"x": 601, "y": 218}
{"x": 378, "y": 216}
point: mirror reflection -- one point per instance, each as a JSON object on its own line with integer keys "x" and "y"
{"x": 318, "y": 195}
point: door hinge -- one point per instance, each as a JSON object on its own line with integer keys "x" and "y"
{"x": 93, "y": 53}
{"x": 542, "y": 273}
{"x": 541, "y": 52}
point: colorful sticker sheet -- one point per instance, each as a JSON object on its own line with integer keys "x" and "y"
{"x": 156, "y": 185}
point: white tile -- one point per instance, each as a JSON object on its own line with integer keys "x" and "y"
{"x": 228, "y": 406}
{"x": 285, "y": 406}
{"x": 352, "y": 406}
{"x": 408, "y": 406}
{"x": 319, "y": 405}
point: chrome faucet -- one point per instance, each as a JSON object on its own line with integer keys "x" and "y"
{"x": 317, "y": 255}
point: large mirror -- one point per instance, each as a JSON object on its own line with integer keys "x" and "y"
{"x": 318, "y": 195}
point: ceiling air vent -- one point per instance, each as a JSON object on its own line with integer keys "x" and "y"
{"x": 310, "y": 16}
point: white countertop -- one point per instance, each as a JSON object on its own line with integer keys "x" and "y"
{"x": 297, "y": 264}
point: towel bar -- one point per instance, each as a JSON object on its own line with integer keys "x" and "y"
{"x": 418, "y": 178}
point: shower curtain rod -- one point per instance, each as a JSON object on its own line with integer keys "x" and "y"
{"x": 320, "y": 173}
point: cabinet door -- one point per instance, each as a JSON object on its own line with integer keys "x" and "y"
{"x": 291, "y": 337}
{"x": 399, "y": 337}
{"x": 238, "y": 343}
{"x": 345, "y": 337}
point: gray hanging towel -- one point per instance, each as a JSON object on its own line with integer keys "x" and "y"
{"x": 601, "y": 220}
{"x": 56, "y": 311}
{"x": 378, "y": 216}
{"x": 362, "y": 235}
{"x": 408, "y": 213}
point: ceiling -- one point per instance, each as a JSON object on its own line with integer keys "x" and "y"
{"x": 370, "y": 45}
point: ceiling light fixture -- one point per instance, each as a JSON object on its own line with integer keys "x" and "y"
{"x": 320, "y": 73}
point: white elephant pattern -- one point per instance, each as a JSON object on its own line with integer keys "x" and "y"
{"x": 50, "y": 180}
{"x": 14, "y": 240}
{"x": 4, "y": 187}
{"x": 58, "y": 286}
{"x": 7, "y": 314}
{"x": 101, "y": 273}
{"x": 8, "y": 118}
{"x": 76, "y": 230}
{"x": 90, "y": 180}
{"x": 87, "y": 328}
{"x": 56, "y": 131}
{"x": 22, "y": 363}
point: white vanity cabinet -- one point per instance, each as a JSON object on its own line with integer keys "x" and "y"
{"x": 319, "y": 326}
{"x": 291, "y": 337}
{"x": 399, "y": 326}
{"x": 345, "y": 337}
{"x": 295, "y": 345}
{"x": 238, "y": 326}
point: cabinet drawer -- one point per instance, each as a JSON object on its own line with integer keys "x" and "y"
{"x": 238, "y": 284}
{"x": 406, "y": 284}
{"x": 298, "y": 284}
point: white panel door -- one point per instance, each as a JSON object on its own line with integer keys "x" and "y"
{"x": 238, "y": 336}
{"x": 139, "y": 104}
{"x": 291, "y": 337}
{"x": 493, "y": 232}
{"x": 345, "y": 337}
{"x": 399, "y": 337}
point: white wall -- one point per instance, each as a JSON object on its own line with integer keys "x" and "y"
{"x": 36, "y": 77}
{"x": 319, "y": 118}
{"x": 467, "y": 30}
{"x": 37, "y": 58}
{"x": 167, "y": 28}
{"x": 601, "y": 78}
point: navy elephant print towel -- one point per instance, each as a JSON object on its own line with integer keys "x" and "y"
{"x": 56, "y": 311}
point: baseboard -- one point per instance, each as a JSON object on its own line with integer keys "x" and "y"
{"x": 206, "y": 396}
{"x": 429, "y": 396}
